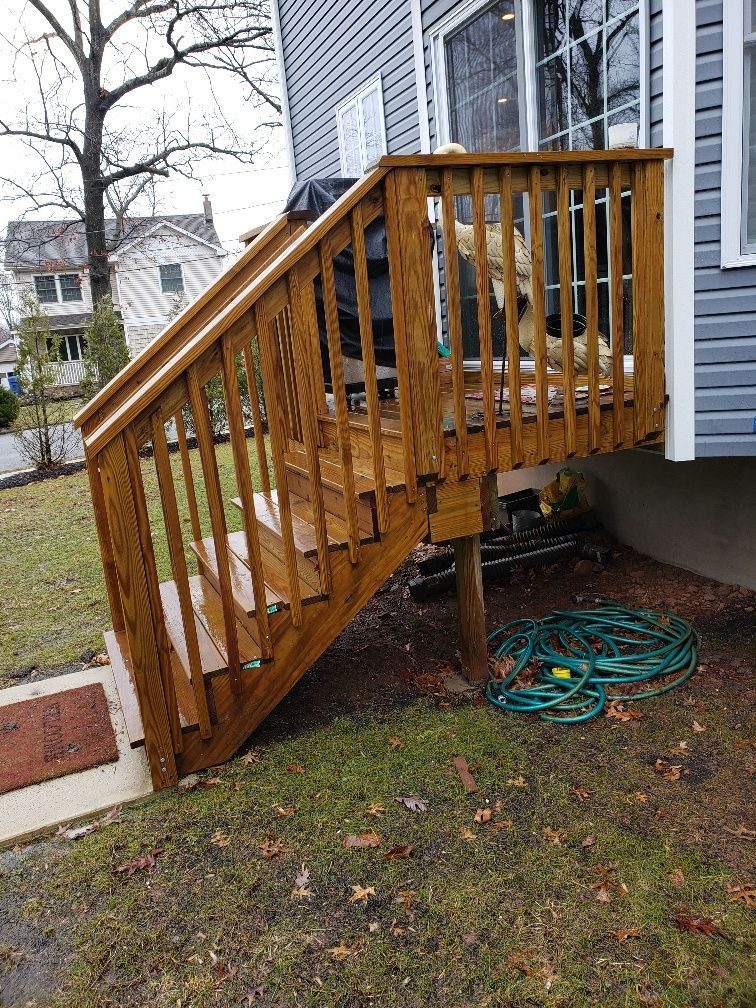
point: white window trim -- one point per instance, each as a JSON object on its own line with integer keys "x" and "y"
{"x": 356, "y": 98}
{"x": 733, "y": 109}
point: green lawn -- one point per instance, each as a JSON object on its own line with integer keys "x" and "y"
{"x": 566, "y": 896}
{"x": 64, "y": 410}
{"x": 54, "y": 602}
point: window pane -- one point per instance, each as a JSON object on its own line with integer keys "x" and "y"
{"x": 585, "y": 17}
{"x": 587, "y": 78}
{"x": 551, "y": 26}
{"x": 171, "y": 278}
{"x": 552, "y": 95}
{"x": 70, "y": 287}
{"x": 622, "y": 60}
{"x": 350, "y": 141}
{"x": 46, "y": 290}
{"x": 371, "y": 126}
{"x": 750, "y": 148}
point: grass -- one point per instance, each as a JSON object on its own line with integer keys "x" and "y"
{"x": 64, "y": 410}
{"x": 54, "y": 602}
{"x": 478, "y": 915}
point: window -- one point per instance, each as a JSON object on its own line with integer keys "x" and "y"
{"x": 69, "y": 348}
{"x": 361, "y": 129}
{"x": 739, "y": 134}
{"x": 47, "y": 292}
{"x": 70, "y": 287}
{"x": 171, "y": 278}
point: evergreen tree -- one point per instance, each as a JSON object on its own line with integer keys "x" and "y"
{"x": 106, "y": 352}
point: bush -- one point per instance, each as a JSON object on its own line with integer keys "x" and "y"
{"x": 106, "y": 352}
{"x": 9, "y": 407}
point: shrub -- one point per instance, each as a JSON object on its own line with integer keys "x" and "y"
{"x": 9, "y": 407}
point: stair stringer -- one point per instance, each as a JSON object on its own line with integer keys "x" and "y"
{"x": 297, "y": 648}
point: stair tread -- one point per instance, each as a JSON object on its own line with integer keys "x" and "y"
{"x": 331, "y": 473}
{"x": 303, "y": 522}
{"x": 117, "y": 647}
{"x": 213, "y": 662}
{"x": 209, "y": 608}
{"x": 274, "y": 571}
{"x": 241, "y": 579}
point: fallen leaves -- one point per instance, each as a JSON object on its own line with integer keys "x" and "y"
{"x": 517, "y": 782}
{"x": 301, "y": 888}
{"x": 146, "y": 862}
{"x": 588, "y": 841}
{"x": 694, "y": 925}
{"x": 271, "y": 848}
{"x": 741, "y": 831}
{"x": 414, "y": 804}
{"x": 467, "y": 834}
{"x": 342, "y": 951}
{"x": 669, "y": 771}
{"x": 698, "y": 727}
{"x": 284, "y": 811}
{"x": 554, "y": 836}
{"x": 580, "y": 793}
{"x": 361, "y": 894}
{"x": 74, "y": 832}
{"x": 250, "y": 757}
{"x": 361, "y": 840}
{"x": 677, "y": 878}
{"x": 295, "y": 768}
{"x": 483, "y": 815}
{"x": 220, "y": 839}
{"x": 617, "y": 709}
{"x": 396, "y": 743}
{"x": 745, "y": 894}
{"x": 400, "y": 851}
{"x": 607, "y": 884}
{"x": 375, "y": 809}
{"x": 622, "y": 934}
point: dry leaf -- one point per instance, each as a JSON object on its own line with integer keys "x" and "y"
{"x": 361, "y": 840}
{"x": 414, "y": 804}
{"x": 400, "y": 851}
{"x": 376, "y": 809}
{"x": 554, "y": 836}
{"x": 361, "y": 894}
{"x": 745, "y": 894}
{"x": 342, "y": 951}
{"x": 74, "y": 832}
{"x": 616, "y": 709}
{"x": 696, "y": 924}
{"x": 588, "y": 841}
{"x": 698, "y": 727}
{"x": 272, "y": 848}
{"x": 677, "y": 878}
{"x": 639, "y": 796}
{"x": 250, "y": 757}
{"x": 467, "y": 834}
{"x": 741, "y": 830}
{"x": 144, "y": 863}
{"x": 669, "y": 771}
{"x": 283, "y": 812}
{"x": 295, "y": 768}
{"x": 374, "y": 927}
{"x": 302, "y": 877}
{"x": 396, "y": 743}
{"x": 483, "y": 815}
{"x": 581, "y": 793}
{"x": 622, "y": 934}
{"x": 517, "y": 782}
{"x": 220, "y": 839}
{"x": 501, "y": 824}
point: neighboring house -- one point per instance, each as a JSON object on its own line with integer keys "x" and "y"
{"x": 407, "y": 75}
{"x": 8, "y": 357}
{"x": 157, "y": 263}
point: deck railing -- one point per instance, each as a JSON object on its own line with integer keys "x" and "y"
{"x": 260, "y": 320}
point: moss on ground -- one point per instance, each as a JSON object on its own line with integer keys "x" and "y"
{"x": 479, "y": 914}
{"x": 54, "y": 602}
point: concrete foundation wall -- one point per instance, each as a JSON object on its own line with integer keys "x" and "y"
{"x": 698, "y": 515}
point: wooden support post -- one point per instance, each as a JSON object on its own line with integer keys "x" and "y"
{"x": 489, "y": 501}
{"x": 472, "y": 619}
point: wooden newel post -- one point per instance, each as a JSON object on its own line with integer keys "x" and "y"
{"x": 472, "y": 617}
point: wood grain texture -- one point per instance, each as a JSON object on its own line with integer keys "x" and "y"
{"x": 564, "y": 243}
{"x": 485, "y": 334}
{"x": 591, "y": 305}
{"x": 454, "y": 318}
{"x": 616, "y": 296}
{"x": 186, "y": 468}
{"x": 257, "y": 422}
{"x": 539, "y": 311}
{"x": 457, "y": 509}
{"x": 472, "y": 616}
{"x": 106, "y": 549}
{"x": 137, "y": 612}
{"x": 511, "y": 316}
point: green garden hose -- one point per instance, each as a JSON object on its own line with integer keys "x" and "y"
{"x": 578, "y": 654}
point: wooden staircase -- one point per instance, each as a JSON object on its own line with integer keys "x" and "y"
{"x": 341, "y": 498}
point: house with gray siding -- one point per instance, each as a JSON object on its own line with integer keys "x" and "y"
{"x": 362, "y": 79}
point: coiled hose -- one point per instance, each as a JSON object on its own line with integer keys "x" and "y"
{"x": 581, "y": 653}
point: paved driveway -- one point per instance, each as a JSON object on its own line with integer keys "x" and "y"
{"x": 10, "y": 459}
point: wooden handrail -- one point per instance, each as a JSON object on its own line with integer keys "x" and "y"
{"x": 498, "y": 160}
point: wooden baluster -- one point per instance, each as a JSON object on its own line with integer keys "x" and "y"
{"x": 512, "y": 317}
{"x": 339, "y": 397}
{"x": 106, "y": 547}
{"x": 591, "y": 307}
{"x": 271, "y": 362}
{"x": 186, "y": 466}
{"x": 394, "y": 247}
{"x": 454, "y": 319}
{"x": 539, "y": 314}
{"x": 238, "y": 440}
{"x": 410, "y": 200}
{"x": 564, "y": 241}
{"x": 257, "y": 423}
{"x": 364, "y": 313}
{"x": 137, "y": 611}
{"x": 309, "y": 430}
{"x": 655, "y": 292}
{"x": 153, "y": 587}
{"x": 179, "y": 569}
{"x": 288, "y": 384}
{"x": 484, "y": 319}
{"x": 200, "y": 412}
{"x": 617, "y": 307}
{"x": 296, "y": 390}
{"x": 309, "y": 307}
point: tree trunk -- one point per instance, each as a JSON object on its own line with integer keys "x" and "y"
{"x": 94, "y": 225}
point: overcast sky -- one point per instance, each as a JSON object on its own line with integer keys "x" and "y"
{"x": 243, "y": 196}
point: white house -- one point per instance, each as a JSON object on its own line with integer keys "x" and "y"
{"x": 157, "y": 263}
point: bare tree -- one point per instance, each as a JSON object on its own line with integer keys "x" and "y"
{"x": 98, "y": 141}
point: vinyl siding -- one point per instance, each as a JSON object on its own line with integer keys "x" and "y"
{"x": 61, "y": 309}
{"x": 329, "y": 51}
{"x": 725, "y": 300}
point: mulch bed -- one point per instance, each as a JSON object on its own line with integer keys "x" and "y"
{"x": 51, "y": 736}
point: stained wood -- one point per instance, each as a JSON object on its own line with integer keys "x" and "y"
{"x": 304, "y": 531}
{"x": 198, "y": 397}
{"x": 117, "y": 646}
{"x": 312, "y": 334}
{"x": 564, "y": 242}
{"x": 539, "y": 311}
{"x": 186, "y": 468}
{"x": 305, "y": 542}
{"x": 472, "y": 617}
{"x": 457, "y": 509}
{"x": 211, "y": 612}
{"x": 333, "y": 498}
{"x": 364, "y": 313}
{"x": 257, "y": 423}
{"x": 454, "y": 318}
{"x": 511, "y": 314}
{"x": 243, "y": 473}
{"x": 245, "y": 603}
{"x": 654, "y": 283}
{"x": 213, "y": 662}
{"x": 153, "y": 588}
{"x": 616, "y": 296}
{"x": 277, "y": 433}
{"x": 485, "y": 336}
{"x": 179, "y": 569}
{"x": 106, "y": 549}
{"x": 339, "y": 395}
{"x": 137, "y": 612}
{"x": 591, "y": 305}
{"x": 276, "y": 573}
{"x": 394, "y": 249}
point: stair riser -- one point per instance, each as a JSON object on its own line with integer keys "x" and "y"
{"x": 248, "y": 622}
{"x": 333, "y": 501}
{"x": 272, "y": 542}
{"x": 362, "y": 452}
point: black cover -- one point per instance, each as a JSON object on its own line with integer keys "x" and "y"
{"x": 314, "y": 198}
